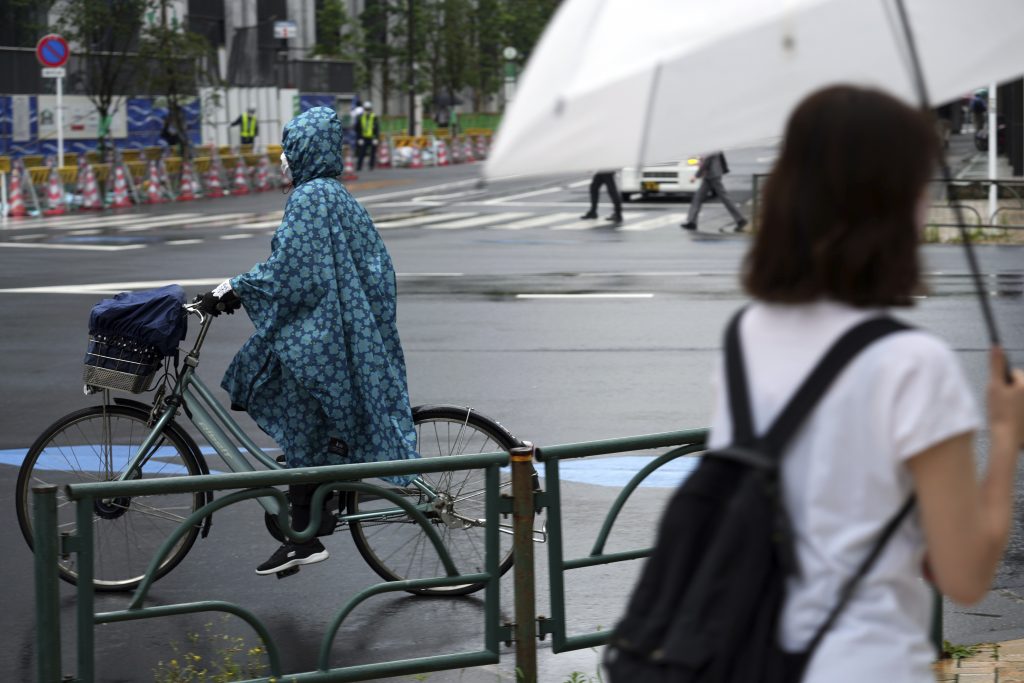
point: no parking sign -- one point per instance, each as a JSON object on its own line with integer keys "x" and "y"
{"x": 52, "y": 52}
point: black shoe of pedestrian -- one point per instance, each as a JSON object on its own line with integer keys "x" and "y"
{"x": 615, "y": 218}
{"x": 292, "y": 555}
{"x": 741, "y": 225}
{"x": 689, "y": 225}
{"x": 589, "y": 215}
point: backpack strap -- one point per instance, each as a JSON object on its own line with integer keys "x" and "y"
{"x": 848, "y": 589}
{"x": 736, "y": 379}
{"x": 821, "y": 377}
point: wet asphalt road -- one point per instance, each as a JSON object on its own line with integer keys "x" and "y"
{"x": 552, "y": 370}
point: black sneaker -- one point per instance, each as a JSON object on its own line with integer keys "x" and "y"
{"x": 741, "y": 225}
{"x": 589, "y": 215}
{"x": 689, "y": 225}
{"x": 615, "y": 218}
{"x": 292, "y": 555}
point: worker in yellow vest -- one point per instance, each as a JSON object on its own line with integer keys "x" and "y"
{"x": 367, "y": 134}
{"x": 249, "y": 126}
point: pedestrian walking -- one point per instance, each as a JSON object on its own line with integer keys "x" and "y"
{"x": 249, "y": 126}
{"x": 367, "y": 134}
{"x": 606, "y": 178}
{"x": 838, "y": 245}
{"x": 712, "y": 168}
{"x": 324, "y": 373}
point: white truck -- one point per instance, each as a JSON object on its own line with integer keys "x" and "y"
{"x": 678, "y": 177}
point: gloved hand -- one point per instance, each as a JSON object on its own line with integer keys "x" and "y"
{"x": 220, "y": 300}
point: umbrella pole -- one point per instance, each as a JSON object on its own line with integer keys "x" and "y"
{"x": 947, "y": 180}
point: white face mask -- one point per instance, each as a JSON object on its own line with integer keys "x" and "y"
{"x": 285, "y": 173}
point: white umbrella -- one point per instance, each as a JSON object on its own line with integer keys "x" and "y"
{"x": 617, "y": 83}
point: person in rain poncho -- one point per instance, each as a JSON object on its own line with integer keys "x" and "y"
{"x": 324, "y": 373}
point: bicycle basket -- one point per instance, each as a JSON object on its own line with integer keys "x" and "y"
{"x": 121, "y": 363}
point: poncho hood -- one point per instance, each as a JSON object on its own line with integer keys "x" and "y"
{"x": 312, "y": 143}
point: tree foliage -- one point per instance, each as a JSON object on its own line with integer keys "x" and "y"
{"x": 105, "y": 31}
{"x": 178, "y": 61}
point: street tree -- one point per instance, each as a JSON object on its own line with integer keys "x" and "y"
{"x": 179, "y": 62}
{"x": 105, "y": 31}
{"x": 337, "y": 36}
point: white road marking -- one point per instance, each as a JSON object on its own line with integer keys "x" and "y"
{"x": 479, "y": 220}
{"x": 218, "y": 218}
{"x": 373, "y": 198}
{"x": 429, "y": 274}
{"x": 93, "y": 231}
{"x": 593, "y": 295}
{"x": 657, "y": 222}
{"x": 537, "y": 221}
{"x": 421, "y": 220}
{"x": 236, "y": 236}
{"x": 108, "y": 220}
{"x": 114, "y": 287}
{"x": 30, "y": 236}
{"x": 259, "y": 225}
{"x": 178, "y": 243}
{"x": 79, "y": 247}
{"x": 579, "y": 183}
{"x": 523, "y": 195}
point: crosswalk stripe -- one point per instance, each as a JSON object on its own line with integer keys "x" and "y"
{"x": 421, "y": 220}
{"x": 236, "y": 236}
{"x": 657, "y": 222}
{"x": 73, "y": 247}
{"x": 103, "y": 220}
{"x": 178, "y": 243}
{"x": 259, "y": 225}
{"x": 537, "y": 221}
{"x": 218, "y": 218}
{"x": 477, "y": 221}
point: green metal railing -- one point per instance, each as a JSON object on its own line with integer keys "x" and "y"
{"x": 523, "y": 505}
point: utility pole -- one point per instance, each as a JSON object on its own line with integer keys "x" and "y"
{"x": 410, "y": 45}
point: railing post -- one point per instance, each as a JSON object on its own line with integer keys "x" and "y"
{"x": 522, "y": 545}
{"x": 937, "y": 639}
{"x": 44, "y": 541}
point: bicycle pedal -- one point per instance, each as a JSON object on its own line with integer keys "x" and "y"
{"x": 285, "y": 573}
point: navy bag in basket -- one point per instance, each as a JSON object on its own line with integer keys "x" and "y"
{"x": 131, "y": 334}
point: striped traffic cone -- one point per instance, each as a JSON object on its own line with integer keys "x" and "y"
{"x": 154, "y": 191}
{"x": 417, "y": 159}
{"x": 442, "y": 153}
{"x": 186, "y": 188}
{"x": 54, "y": 195}
{"x": 241, "y": 184}
{"x": 16, "y": 208}
{"x": 121, "y": 199}
{"x": 349, "y": 169}
{"x": 384, "y": 154}
{"x": 263, "y": 175}
{"x": 467, "y": 151}
{"x": 214, "y": 188}
{"x": 91, "y": 191}
{"x": 481, "y": 147}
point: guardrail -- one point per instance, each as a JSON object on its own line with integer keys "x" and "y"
{"x": 522, "y": 505}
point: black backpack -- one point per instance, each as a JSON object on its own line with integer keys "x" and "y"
{"x": 707, "y": 605}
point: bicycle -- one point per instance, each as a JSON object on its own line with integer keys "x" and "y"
{"x": 128, "y": 439}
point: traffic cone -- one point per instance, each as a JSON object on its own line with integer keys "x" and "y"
{"x": 80, "y": 176}
{"x": 121, "y": 199}
{"x": 241, "y": 184}
{"x": 417, "y": 160}
{"x": 384, "y": 154}
{"x": 263, "y": 175}
{"x": 54, "y": 195}
{"x": 467, "y": 151}
{"x": 17, "y": 208}
{"x": 349, "y": 169}
{"x": 442, "y": 153}
{"x": 90, "y": 191}
{"x": 186, "y": 189}
{"x": 481, "y": 147}
{"x": 213, "y": 184}
{"x": 154, "y": 193}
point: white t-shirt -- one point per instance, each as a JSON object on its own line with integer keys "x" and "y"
{"x": 844, "y": 477}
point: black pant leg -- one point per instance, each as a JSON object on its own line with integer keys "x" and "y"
{"x": 595, "y": 189}
{"x": 301, "y": 497}
{"x": 613, "y": 192}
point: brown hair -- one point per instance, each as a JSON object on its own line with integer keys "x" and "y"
{"x": 838, "y": 217}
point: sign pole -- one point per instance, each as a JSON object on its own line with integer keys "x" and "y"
{"x": 60, "y": 122}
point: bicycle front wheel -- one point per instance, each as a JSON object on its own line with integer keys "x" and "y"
{"x": 396, "y": 547}
{"x": 95, "y": 444}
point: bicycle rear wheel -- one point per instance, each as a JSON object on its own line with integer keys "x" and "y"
{"x": 94, "y": 444}
{"x": 396, "y": 547}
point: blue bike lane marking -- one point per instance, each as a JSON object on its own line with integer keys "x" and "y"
{"x": 611, "y": 472}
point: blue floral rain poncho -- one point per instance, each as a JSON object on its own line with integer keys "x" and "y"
{"x": 325, "y": 360}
